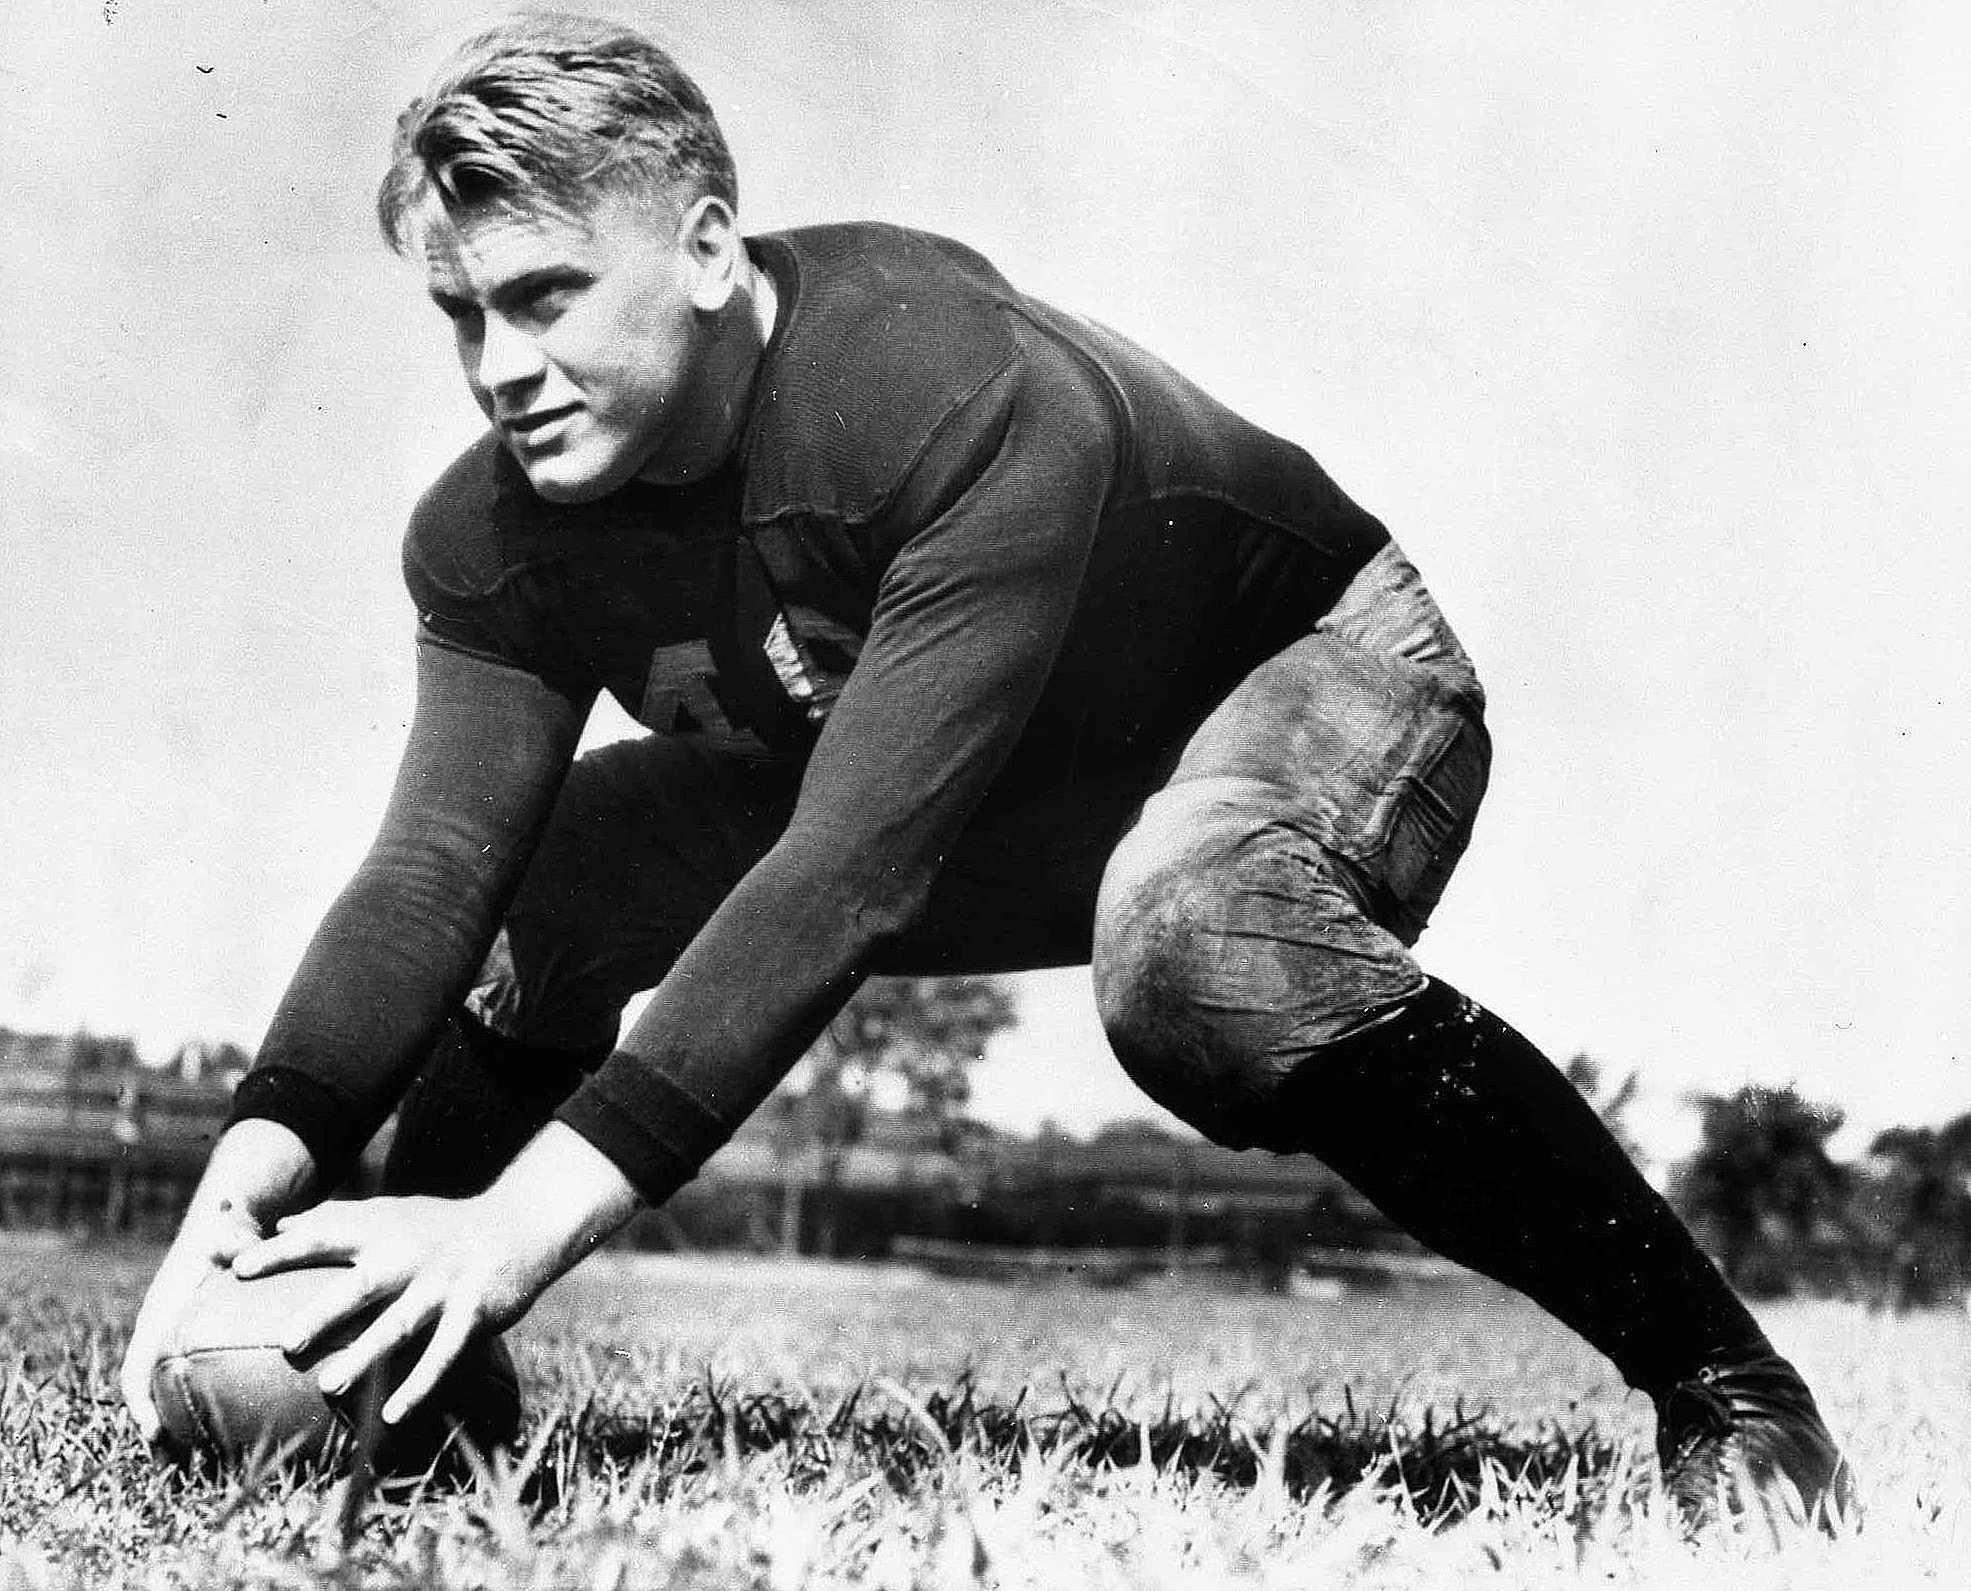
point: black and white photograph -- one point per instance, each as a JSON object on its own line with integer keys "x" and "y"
{"x": 842, "y": 794}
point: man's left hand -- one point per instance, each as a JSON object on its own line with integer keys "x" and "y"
{"x": 427, "y": 1260}
{"x": 459, "y": 1267}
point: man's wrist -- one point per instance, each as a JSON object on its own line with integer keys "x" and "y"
{"x": 565, "y": 1194}
{"x": 654, "y": 1131}
{"x": 259, "y": 1168}
{"x": 324, "y": 1119}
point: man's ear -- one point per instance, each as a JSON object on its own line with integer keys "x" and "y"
{"x": 711, "y": 252}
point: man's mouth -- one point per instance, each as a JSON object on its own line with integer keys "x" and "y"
{"x": 532, "y": 424}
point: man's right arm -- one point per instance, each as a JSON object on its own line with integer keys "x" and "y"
{"x": 489, "y": 747}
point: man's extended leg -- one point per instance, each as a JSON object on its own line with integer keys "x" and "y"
{"x": 1503, "y": 1167}
{"x": 1251, "y": 981}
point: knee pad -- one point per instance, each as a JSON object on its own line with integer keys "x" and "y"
{"x": 1229, "y": 948}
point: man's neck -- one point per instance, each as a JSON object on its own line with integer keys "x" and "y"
{"x": 733, "y": 364}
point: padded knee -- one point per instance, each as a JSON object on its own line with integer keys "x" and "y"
{"x": 1229, "y": 948}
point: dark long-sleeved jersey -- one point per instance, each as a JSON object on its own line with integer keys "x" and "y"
{"x": 969, "y": 548}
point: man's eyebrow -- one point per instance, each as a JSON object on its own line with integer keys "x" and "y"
{"x": 518, "y": 287}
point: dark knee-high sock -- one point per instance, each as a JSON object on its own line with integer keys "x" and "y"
{"x": 474, "y": 1105}
{"x": 1466, "y": 1136}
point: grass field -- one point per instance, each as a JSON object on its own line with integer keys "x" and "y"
{"x": 727, "y": 1423}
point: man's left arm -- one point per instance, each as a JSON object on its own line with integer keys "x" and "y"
{"x": 972, "y": 613}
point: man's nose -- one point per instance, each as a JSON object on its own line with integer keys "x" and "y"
{"x": 507, "y": 357}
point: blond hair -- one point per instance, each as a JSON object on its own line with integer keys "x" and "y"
{"x": 543, "y": 114}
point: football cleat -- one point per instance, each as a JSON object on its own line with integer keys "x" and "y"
{"x": 1744, "y": 1436}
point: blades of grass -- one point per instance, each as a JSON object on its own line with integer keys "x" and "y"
{"x": 922, "y": 1415}
{"x": 353, "y": 1494}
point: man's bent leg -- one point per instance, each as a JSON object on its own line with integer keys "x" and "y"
{"x": 1485, "y": 1152}
{"x": 1247, "y": 992}
{"x": 1250, "y": 979}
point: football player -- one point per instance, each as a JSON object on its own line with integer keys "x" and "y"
{"x": 969, "y": 637}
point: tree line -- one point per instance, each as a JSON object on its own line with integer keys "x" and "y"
{"x": 1781, "y": 1214}
{"x": 1763, "y": 1189}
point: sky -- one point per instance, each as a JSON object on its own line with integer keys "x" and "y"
{"x": 1646, "y": 329}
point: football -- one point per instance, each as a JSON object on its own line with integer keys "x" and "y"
{"x": 224, "y": 1388}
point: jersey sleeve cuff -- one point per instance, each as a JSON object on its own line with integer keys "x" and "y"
{"x": 321, "y": 1118}
{"x": 654, "y": 1132}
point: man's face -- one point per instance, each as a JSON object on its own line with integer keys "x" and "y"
{"x": 580, "y": 343}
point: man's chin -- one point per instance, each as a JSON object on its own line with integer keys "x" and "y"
{"x": 558, "y": 491}
{"x": 560, "y": 480}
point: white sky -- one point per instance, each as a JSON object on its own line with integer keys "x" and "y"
{"x": 1646, "y": 328}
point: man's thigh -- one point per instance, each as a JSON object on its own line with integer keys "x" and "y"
{"x": 1376, "y": 763}
{"x": 1379, "y": 760}
{"x": 1264, "y": 903}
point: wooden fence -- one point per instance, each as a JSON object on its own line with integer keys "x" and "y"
{"x": 119, "y": 1153}
{"x": 116, "y": 1153}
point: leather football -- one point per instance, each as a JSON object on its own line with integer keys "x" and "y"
{"x": 224, "y": 1388}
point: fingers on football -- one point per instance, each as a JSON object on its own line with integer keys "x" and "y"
{"x": 315, "y": 1237}
{"x": 455, "y": 1327}
{"x": 135, "y": 1384}
{"x": 216, "y": 1238}
{"x": 377, "y": 1341}
{"x": 232, "y": 1236}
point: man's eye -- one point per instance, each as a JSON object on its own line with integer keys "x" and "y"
{"x": 548, "y": 302}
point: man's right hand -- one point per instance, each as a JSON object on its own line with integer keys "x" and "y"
{"x": 258, "y": 1172}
